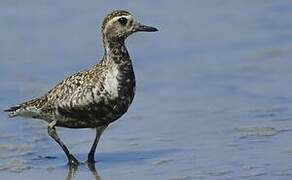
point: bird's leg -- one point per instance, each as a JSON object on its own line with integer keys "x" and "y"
{"x": 53, "y": 133}
{"x": 91, "y": 153}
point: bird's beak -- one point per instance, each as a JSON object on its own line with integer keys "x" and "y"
{"x": 140, "y": 27}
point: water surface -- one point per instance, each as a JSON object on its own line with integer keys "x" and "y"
{"x": 213, "y": 99}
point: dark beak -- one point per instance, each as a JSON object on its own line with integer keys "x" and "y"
{"x": 140, "y": 27}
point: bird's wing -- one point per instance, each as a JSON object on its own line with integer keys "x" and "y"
{"x": 73, "y": 96}
{"x": 79, "y": 96}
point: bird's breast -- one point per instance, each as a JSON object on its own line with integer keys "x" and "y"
{"x": 111, "y": 83}
{"x": 119, "y": 85}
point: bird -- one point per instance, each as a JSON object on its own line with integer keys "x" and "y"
{"x": 94, "y": 97}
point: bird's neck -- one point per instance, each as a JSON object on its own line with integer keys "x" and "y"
{"x": 117, "y": 56}
{"x": 115, "y": 50}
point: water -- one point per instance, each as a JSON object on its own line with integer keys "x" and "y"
{"x": 213, "y": 99}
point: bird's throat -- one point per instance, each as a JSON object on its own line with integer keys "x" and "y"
{"x": 116, "y": 51}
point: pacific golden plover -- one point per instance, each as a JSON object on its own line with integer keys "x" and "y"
{"x": 95, "y": 97}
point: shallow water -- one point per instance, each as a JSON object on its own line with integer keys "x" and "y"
{"x": 213, "y": 99}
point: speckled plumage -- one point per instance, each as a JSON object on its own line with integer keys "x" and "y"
{"x": 94, "y": 97}
{"x": 85, "y": 99}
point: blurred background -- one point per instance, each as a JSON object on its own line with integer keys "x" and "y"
{"x": 214, "y": 92}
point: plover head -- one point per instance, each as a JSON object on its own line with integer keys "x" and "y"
{"x": 119, "y": 24}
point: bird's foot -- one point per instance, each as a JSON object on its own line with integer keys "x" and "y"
{"x": 90, "y": 159}
{"x": 72, "y": 161}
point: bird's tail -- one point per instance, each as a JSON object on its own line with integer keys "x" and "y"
{"x": 26, "y": 109}
{"x": 13, "y": 111}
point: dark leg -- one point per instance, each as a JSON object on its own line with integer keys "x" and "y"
{"x": 91, "y": 153}
{"x": 53, "y": 133}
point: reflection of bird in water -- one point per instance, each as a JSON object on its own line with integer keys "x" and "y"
{"x": 71, "y": 172}
{"x": 94, "y": 172}
{"x": 73, "y": 169}
{"x": 95, "y": 97}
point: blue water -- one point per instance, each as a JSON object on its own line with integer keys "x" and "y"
{"x": 214, "y": 95}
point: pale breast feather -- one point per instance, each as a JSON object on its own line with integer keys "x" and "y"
{"x": 111, "y": 83}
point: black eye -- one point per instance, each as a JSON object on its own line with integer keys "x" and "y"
{"x": 123, "y": 21}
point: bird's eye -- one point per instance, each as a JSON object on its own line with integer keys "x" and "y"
{"x": 123, "y": 21}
